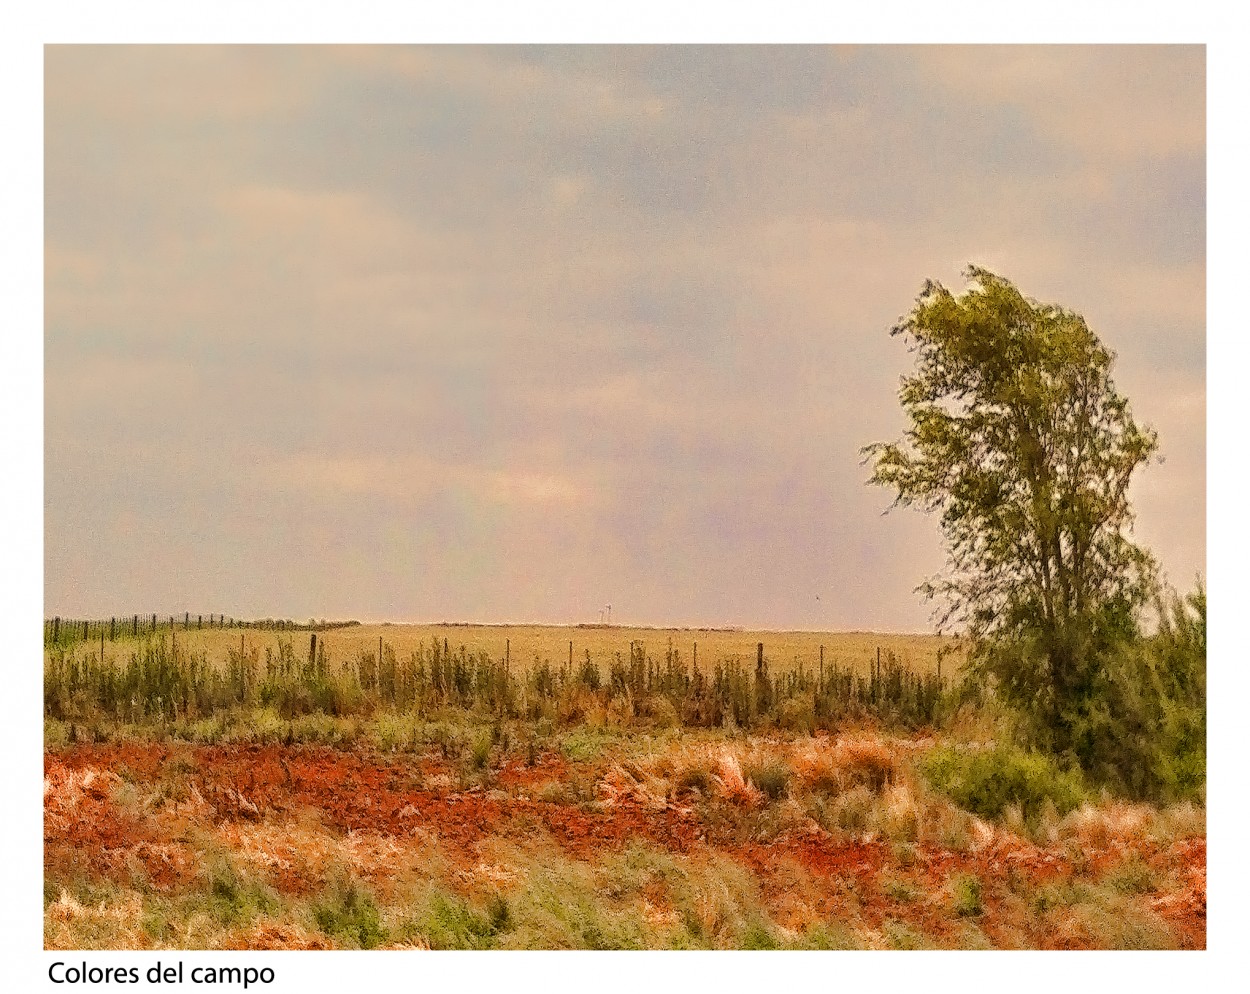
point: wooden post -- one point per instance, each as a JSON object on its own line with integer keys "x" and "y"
{"x": 312, "y": 649}
{"x": 186, "y": 621}
{"x": 507, "y": 653}
{"x": 696, "y": 655}
{"x": 56, "y": 629}
{"x": 84, "y": 631}
{"x": 570, "y": 655}
{"x": 135, "y": 628}
{"x": 380, "y": 650}
{"x": 199, "y": 623}
{"x": 101, "y": 645}
{"x": 822, "y": 666}
{"x": 112, "y": 629}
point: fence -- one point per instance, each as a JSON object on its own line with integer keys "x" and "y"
{"x": 66, "y": 632}
{"x": 163, "y": 681}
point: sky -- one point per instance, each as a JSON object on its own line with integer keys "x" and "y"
{"x": 513, "y": 333}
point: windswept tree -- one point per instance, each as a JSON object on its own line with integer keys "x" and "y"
{"x": 1018, "y": 437}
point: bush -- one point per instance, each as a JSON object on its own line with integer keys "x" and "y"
{"x": 1142, "y": 729}
{"x": 797, "y": 715}
{"x": 987, "y": 782}
{"x": 966, "y": 896}
{"x": 347, "y": 911}
{"x": 772, "y": 778}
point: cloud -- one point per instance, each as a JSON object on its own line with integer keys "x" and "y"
{"x": 613, "y": 317}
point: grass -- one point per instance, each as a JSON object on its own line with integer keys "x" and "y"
{"x": 189, "y": 684}
{"x": 347, "y": 912}
{"x": 518, "y": 787}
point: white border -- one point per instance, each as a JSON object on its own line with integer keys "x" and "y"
{"x": 1217, "y": 25}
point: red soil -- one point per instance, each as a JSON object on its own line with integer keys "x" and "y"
{"x": 85, "y": 829}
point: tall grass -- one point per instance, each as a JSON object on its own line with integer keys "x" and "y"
{"x": 162, "y": 681}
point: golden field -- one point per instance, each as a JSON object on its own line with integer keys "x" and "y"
{"x": 525, "y": 644}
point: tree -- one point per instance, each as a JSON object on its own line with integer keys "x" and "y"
{"x": 1018, "y": 436}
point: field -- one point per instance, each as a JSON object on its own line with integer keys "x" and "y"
{"x": 483, "y": 787}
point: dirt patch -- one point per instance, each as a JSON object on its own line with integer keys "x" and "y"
{"x": 374, "y": 810}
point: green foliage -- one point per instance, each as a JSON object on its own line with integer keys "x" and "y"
{"x": 986, "y": 782}
{"x": 347, "y": 911}
{"x": 452, "y": 923}
{"x": 966, "y": 896}
{"x": 1018, "y": 437}
{"x": 759, "y": 936}
{"x": 479, "y": 757}
{"x": 233, "y": 899}
{"x": 1143, "y": 727}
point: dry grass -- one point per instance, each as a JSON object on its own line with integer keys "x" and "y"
{"x": 784, "y": 650}
{"x": 807, "y": 842}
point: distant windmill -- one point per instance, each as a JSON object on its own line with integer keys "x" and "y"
{"x": 609, "y": 614}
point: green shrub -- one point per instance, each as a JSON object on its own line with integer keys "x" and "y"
{"x": 1142, "y": 728}
{"x": 966, "y": 896}
{"x": 452, "y": 923}
{"x": 986, "y": 782}
{"x": 232, "y": 898}
{"x": 347, "y": 911}
{"x": 759, "y": 936}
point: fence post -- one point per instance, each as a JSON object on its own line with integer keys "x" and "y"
{"x": 112, "y": 629}
{"x": 56, "y": 629}
{"x": 135, "y": 628}
{"x": 507, "y": 653}
{"x": 199, "y": 623}
{"x": 822, "y": 666}
{"x": 570, "y": 655}
{"x": 312, "y": 649}
{"x": 186, "y": 621}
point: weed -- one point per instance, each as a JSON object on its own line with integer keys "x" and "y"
{"x": 1133, "y": 876}
{"x": 347, "y": 911}
{"x": 452, "y": 923}
{"x": 479, "y": 756}
{"x": 759, "y": 936}
{"x": 966, "y": 896}
{"x": 772, "y": 777}
{"x": 899, "y": 890}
